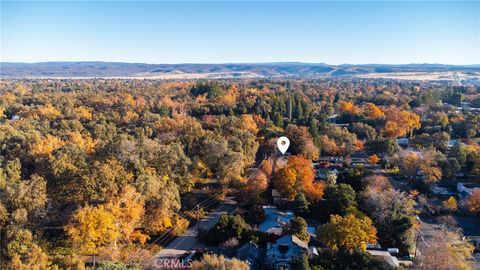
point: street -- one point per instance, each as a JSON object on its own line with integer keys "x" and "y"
{"x": 188, "y": 240}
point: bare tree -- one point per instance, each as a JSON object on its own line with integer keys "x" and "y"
{"x": 444, "y": 250}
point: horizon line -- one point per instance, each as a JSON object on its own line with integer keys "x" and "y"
{"x": 234, "y": 63}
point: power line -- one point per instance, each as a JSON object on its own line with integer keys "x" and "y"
{"x": 168, "y": 232}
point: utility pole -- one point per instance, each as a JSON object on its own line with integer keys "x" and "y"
{"x": 416, "y": 244}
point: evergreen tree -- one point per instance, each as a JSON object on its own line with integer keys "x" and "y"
{"x": 278, "y": 119}
{"x": 300, "y": 205}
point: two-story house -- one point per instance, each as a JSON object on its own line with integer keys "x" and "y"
{"x": 285, "y": 249}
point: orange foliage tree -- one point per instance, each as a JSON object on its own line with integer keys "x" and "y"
{"x": 298, "y": 176}
{"x": 347, "y": 107}
{"x": 372, "y": 111}
{"x": 373, "y": 159}
{"x": 399, "y": 122}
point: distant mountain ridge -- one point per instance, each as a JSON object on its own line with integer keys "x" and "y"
{"x": 233, "y": 70}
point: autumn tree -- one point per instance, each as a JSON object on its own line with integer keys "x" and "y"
{"x": 473, "y": 201}
{"x": 296, "y": 177}
{"x": 413, "y": 164}
{"x": 128, "y": 210}
{"x": 372, "y": 111}
{"x": 266, "y": 167}
{"x": 213, "y": 262}
{"x": 373, "y": 159}
{"x": 285, "y": 180}
{"x": 450, "y": 204}
{"x": 347, "y": 233}
{"x": 91, "y": 229}
{"x": 301, "y": 142}
{"x": 24, "y": 253}
{"x": 399, "y": 123}
{"x": 22, "y": 205}
{"x": 257, "y": 183}
{"x": 339, "y": 141}
{"x": 445, "y": 249}
{"x": 348, "y": 107}
{"x": 162, "y": 199}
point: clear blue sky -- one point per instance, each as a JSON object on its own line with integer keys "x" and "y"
{"x": 224, "y": 32}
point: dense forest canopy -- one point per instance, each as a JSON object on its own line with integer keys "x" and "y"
{"x": 131, "y": 151}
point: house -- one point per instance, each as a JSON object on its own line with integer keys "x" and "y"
{"x": 322, "y": 173}
{"x": 466, "y": 189}
{"x": 278, "y": 198}
{"x": 275, "y": 220}
{"x": 402, "y": 142}
{"x": 385, "y": 257}
{"x": 286, "y": 249}
{"x": 452, "y": 143}
{"x": 251, "y": 253}
{"x": 332, "y": 118}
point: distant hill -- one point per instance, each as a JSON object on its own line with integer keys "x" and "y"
{"x": 179, "y": 71}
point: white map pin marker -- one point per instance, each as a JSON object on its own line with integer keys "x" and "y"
{"x": 283, "y": 143}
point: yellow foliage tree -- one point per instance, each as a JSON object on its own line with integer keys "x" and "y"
{"x": 45, "y": 146}
{"x": 130, "y": 116}
{"x": 48, "y": 112}
{"x": 84, "y": 142}
{"x": 83, "y": 113}
{"x": 249, "y": 123}
{"x": 372, "y": 111}
{"x": 211, "y": 262}
{"x": 230, "y": 97}
{"x": 92, "y": 228}
{"x": 399, "y": 122}
{"x": 128, "y": 209}
{"x": 450, "y": 204}
{"x": 24, "y": 253}
{"x": 348, "y": 233}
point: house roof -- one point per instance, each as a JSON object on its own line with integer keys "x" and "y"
{"x": 385, "y": 256}
{"x": 287, "y": 239}
{"x": 248, "y": 251}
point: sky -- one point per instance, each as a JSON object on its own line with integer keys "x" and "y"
{"x": 332, "y": 32}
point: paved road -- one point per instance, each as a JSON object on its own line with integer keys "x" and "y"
{"x": 188, "y": 241}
